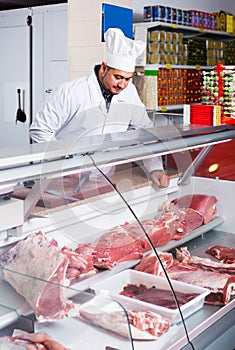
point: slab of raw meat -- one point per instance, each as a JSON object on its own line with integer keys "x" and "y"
{"x": 183, "y": 255}
{"x": 204, "y": 204}
{"x": 145, "y": 325}
{"x": 114, "y": 246}
{"x": 150, "y": 264}
{"x": 221, "y": 285}
{"x": 37, "y": 271}
{"x": 225, "y": 254}
{"x": 157, "y": 232}
{"x": 153, "y": 295}
{"x": 79, "y": 264}
{"x": 179, "y": 222}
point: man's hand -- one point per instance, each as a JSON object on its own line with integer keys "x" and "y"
{"x": 160, "y": 179}
{"x": 35, "y": 340}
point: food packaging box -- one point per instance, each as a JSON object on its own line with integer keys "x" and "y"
{"x": 114, "y": 284}
{"x": 148, "y": 13}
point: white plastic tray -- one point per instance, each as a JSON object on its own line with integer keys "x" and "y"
{"x": 113, "y": 285}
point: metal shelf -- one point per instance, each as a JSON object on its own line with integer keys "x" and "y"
{"x": 188, "y": 31}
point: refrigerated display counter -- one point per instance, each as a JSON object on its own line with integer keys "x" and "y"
{"x": 75, "y": 193}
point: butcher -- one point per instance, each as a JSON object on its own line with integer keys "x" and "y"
{"x": 105, "y": 101}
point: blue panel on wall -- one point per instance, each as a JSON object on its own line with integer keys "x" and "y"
{"x": 117, "y": 17}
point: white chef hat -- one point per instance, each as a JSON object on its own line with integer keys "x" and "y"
{"x": 120, "y": 51}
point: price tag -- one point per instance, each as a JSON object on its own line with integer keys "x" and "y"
{"x": 201, "y": 30}
{"x": 163, "y": 109}
{"x": 168, "y": 66}
{"x": 198, "y": 67}
{"x": 174, "y": 25}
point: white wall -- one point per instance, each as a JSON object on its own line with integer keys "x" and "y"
{"x": 84, "y": 33}
{"x": 202, "y": 5}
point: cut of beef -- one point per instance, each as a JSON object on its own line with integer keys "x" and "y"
{"x": 179, "y": 222}
{"x": 221, "y": 285}
{"x": 157, "y": 232}
{"x": 183, "y": 255}
{"x": 36, "y": 270}
{"x": 150, "y": 264}
{"x": 153, "y": 295}
{"x": 128, "y": 241}
{"x": 79, "y": 264}
{"x": 204, "y": 204}
{"x": 114, "y": 246}
{"x": 224, "y": 254}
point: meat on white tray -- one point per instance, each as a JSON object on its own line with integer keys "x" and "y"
{"x": 144, "y": 325}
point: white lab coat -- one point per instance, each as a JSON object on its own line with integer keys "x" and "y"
{"x": 78, "y": 109}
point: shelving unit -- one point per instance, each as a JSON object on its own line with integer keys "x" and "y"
{"x": 151, "y": 94}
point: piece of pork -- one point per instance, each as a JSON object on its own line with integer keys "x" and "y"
{"x": 37, "y": 271}
{"x": 144, "y": 325}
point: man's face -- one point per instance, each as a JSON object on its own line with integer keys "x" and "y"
{"x": 113, "y": 80}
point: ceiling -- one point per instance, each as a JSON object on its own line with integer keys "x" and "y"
{"x": 16, "y": 4}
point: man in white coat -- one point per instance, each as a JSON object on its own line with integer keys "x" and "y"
{"x": 106, "y": 101}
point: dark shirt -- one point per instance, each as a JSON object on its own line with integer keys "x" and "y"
{"x": 107, "y": 98}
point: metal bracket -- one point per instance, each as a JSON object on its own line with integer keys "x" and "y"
{"x": 184, "y": 179}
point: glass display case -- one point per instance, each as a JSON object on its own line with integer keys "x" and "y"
{"x": 90, "y": 246}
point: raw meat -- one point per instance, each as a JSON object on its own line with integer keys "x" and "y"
{"x": 179, "y": 222}
{"x": 129, "y": 241}
{"x": 157, "y": 232}
{"x": 204, "y": 204}
{"x": 79, "y": 264}
{"x": 153, "y": 295}
{"x": 165, "y": 227}
{"x": 221, "y": 285}
{"x": 36, "y": 270}
{"x": 145, "y": 325}
{"x": 183, "y": 255}
{"x": 150, "y": 264}
{"x": 114, "y": 246}
{"x": 225, "y": 254}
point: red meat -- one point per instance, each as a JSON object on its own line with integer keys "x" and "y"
{"x": 150, "y": 263}
{"x": 79, "y": 264}
{"x": 204, "y": 204}
{"x": 114, "y": 246}
{"x": 183, "y": 255}
{"x": 221, "y": 285}
{"x": 153, "y": 295}
{"x": 179, "y": 222}
{"x": 224, "y": 254}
